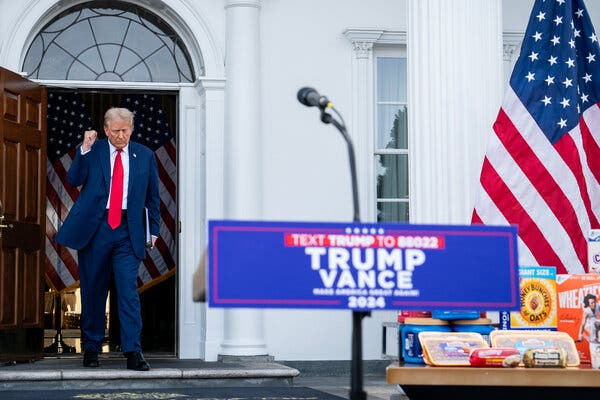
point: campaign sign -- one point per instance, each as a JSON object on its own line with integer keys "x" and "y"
{"x": 362, "y": 266}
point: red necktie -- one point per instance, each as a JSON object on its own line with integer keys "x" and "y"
{"x": 116, "y": 193}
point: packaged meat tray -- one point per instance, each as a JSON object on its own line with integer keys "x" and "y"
{"x": 450, "y": 348}
{"x": 523, "y": 340}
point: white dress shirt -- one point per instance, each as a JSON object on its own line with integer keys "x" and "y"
{"x": 125, "y": 162}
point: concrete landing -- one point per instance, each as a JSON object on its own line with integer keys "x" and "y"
{"x": 66, "y": 373}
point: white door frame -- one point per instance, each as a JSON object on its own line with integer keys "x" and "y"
{"x": 199, "y": 196}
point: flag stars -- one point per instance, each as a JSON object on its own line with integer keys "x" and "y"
{"x": 579, "y": 13}
{"x": 558, "y": 20}
{"x": 562, "y": 123}
{"x": 537, "y": 36}
{"x": 591, "y": 57}
{"x": 560, "y": 2}
{"x": 555, "y": 40}
{"x": 549, "y": 80}
{"x": 570, "y": 62}
{"x": 541, "y": 16}
{"x": 530, "y": 76}
{"x": 567, "y": 82}
{"x": 594, "y": 38}
{"x": 552, "y": 60}
{"x": 576, "y": 33}
{"x": 565, "y": 102}
{"x": 584, "y": 98}
{"x": 587, "y": 77}
{"x": 546, "y": 100}
{"x": 533, "y": 56}
{"x": 572, "y": 43}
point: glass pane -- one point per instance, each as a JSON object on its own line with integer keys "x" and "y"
{"x": 77, "y": 38}
{"x": 184, "y": 69}
{"x": 163, "y": 66}
{"x": 392, "y": 176}
{"x": 55, "y": 63}
{"x": 392, "y": 212}
{"x": 91, "y": 59}
{"x": 141, "y": 40}
{"x": 392, "y": 127}
{"x": 127, "y": 60}
{"x": 391, "y": 79}
{"x": 109, "y": 54}
{"x": 109, "y": 29}
{"x": 33, "y": 57}
{"x": 79, "y": 72}
{"x": 139, "y": 73}
{"x": 62, "y": 23}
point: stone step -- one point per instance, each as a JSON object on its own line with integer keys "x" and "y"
{"x": 49, "y": 374}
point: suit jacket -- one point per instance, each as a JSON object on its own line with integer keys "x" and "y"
{"x": 92, "y": 172}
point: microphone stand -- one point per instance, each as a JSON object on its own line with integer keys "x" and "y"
{"x": 356, "y": 371}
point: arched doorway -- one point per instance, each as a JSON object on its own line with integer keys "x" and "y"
{"x": 109, "y": 41}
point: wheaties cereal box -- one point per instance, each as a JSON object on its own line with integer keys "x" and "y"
{"x": 538, "y": 301}
{"x": 578, "y": 313}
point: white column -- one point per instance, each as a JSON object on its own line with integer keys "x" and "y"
{"x": 242, "y": 328}
{"x": 455, "y": 89}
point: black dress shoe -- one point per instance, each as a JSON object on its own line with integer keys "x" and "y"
{"x": 90, "y": 359}
{"x": 136, "y": 361}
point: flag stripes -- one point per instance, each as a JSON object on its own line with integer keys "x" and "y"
{"x": 542, "y": 166}
{"x": 60, "y": 262}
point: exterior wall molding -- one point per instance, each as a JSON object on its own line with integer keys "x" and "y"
{"x": 512, "y": 41}
{"x": 203, "y": 47}
{"x": 243, "y": 3}
{"x": 362, "y": 128}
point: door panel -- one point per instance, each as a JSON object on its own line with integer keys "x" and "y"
{"x": 22, "y": 196}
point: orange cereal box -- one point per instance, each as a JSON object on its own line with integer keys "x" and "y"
{"x": 538, "y": 301}
{"x": 579, "y": 313}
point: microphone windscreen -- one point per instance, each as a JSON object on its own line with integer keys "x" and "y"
{"x": 303, "y": 94}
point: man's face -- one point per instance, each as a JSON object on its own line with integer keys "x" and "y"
{"x": 118, "y": 132}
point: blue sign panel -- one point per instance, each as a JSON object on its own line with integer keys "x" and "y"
{"x": 362, "y": 266}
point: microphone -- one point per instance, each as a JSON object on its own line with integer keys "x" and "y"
{"x": 311, "y": 98}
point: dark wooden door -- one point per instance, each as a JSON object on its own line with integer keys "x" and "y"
{"x": 22, "y": 193}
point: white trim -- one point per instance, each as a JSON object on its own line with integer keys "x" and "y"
{"x": 200, "y": 143}
{"x": 179, "y": 14}
{"x": 362, "y": 126}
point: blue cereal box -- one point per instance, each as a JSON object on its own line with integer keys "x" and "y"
{"x": 538, "y": 301}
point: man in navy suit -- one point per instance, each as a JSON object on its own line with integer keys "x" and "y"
{"x": 118, "y": 179}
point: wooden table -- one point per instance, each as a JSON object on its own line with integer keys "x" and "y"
{"x": 445, "y": 383}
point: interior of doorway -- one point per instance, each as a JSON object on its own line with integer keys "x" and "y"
{"x": 70, "y": 113}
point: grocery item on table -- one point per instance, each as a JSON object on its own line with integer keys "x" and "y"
{"x": 545, "y": 357}
{"x": 523, "y": 340}
{"x": 450, "y": 348}
{"x": 495, "y": 358}
{"x": 411, "y": 346}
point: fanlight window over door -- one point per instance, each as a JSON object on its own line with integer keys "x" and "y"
{"x": 108, "y": 41}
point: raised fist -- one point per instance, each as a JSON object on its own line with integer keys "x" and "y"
{"x": 89, "y": 137}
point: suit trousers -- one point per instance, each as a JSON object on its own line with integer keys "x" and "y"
{"x": 109, "y": 251}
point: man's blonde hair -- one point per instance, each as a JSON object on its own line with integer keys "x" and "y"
{"x": 122, "y": 114}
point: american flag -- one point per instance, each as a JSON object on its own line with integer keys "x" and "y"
{"x": 542, "y": 166}
{"x": 68, "y": 118}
